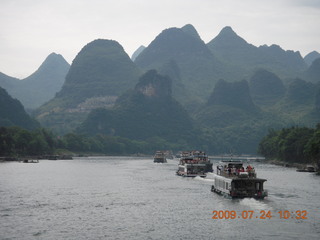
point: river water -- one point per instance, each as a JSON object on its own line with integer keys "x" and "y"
{"x": 134, "y": 198}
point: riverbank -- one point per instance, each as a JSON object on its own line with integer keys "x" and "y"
{"x": 294, "y": 165}
{"x": 64, "y": 155}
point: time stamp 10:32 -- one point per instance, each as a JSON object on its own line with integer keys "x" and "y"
{"x": 263, "y": 214}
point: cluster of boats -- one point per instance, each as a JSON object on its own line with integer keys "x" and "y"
{"x": 230, "y": 179}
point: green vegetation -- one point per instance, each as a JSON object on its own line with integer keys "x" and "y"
{"x": 266, "y": 88}
{"x": 293, "y": 145}
{"x": 101, "y": 68}
{"x": 145, "y": 112}
{"x": 12, "y": 112}
{"x": 16, "y": 141}
{"x": 19, "y": 142}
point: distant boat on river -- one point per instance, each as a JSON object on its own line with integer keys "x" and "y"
{"x": 308, "y": 168}
{"x": 160, "y": 157}
{"x": 30, "y": 161}
{"x": 193, "y": 164}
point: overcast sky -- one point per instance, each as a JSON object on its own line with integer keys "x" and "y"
{"x": 32, "y": 29}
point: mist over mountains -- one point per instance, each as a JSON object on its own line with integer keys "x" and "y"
{"x": 221, "y": 96}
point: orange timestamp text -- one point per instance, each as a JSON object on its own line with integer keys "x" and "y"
{"x": 262, "y": 214}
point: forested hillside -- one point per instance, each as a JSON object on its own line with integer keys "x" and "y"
{"x": 12, "y": 112}
{"x": 146, "y": 112}
{"x": 294, "y": 145}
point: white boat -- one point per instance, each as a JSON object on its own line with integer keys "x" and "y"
{"x": 232, "y": 180}
{"x": 193, "y": 164}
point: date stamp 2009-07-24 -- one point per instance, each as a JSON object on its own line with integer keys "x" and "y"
{"x": 262, "y": 214}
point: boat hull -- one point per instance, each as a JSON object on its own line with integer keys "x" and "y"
{"x": 184, "y": 174}
{"x": 159, "y": 160}
{"x": 239, "y": 196}
{"x": 235, "y": 187}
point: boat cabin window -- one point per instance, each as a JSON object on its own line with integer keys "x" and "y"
{"x": 259, "y": 186}
{"x": 244, "y": 184}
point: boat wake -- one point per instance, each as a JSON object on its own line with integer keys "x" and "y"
{"x": 255, "y": 204}
{"x": 204, "y": 179}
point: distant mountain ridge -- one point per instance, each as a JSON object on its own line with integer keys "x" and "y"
{"x": 310, "y": 57}
{"x": 234, "y": 50}
{"x": 40, "y": 86}
{"x": 137, "y": 52}
{"x": 198, "y": 67}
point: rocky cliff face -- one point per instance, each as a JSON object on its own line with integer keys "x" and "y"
{"x": 154, "y": 85}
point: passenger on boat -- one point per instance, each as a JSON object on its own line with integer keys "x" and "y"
{"x": 234, "y": 171}
{"x": 252, "y": 172}
{"x": 229, "y": 171}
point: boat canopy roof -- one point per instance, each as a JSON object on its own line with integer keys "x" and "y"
{"x": 232, "y": 163}
{"x": 249, "y": 179}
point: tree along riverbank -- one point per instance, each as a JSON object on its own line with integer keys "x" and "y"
{"x": 295, "y": 146}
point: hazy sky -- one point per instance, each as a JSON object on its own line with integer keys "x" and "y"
{"x": 31, "y": 29}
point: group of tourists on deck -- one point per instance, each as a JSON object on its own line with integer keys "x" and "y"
{"x": 233, "y": 171}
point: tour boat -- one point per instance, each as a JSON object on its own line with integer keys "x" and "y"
{"x": 308, "y": 168}
{"x": 231, "y": 179}
{"x": 159, "y": 157}
{"x": 193, "y": 164}
{"x": 30, "y": 161}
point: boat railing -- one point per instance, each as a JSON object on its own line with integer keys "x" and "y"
{"x": 193, "y": 161}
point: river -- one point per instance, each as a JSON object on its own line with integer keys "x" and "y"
{"x": 134, "y": 198}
